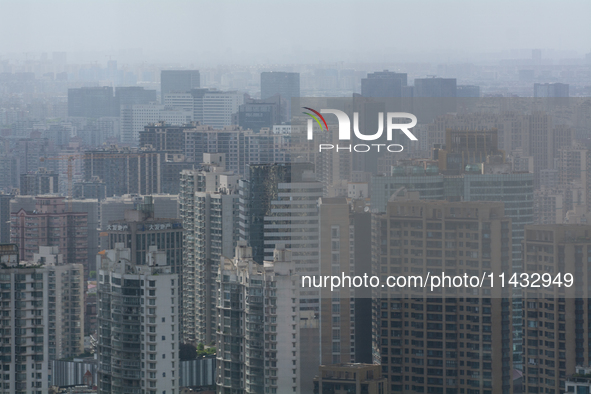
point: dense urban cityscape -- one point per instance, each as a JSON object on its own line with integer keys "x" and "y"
{"x": 173, "y": 227}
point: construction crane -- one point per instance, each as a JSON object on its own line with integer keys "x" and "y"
{"x": 70, "y": 172}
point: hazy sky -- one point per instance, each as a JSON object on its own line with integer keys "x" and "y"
{"x": 275, "y": 28}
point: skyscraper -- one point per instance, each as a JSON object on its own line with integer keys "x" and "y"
{"x": 556, "y": 319}
{"x": 383, "y": 84}
{"x": 178, "y": 81}
{"x": 45, "y": 322}
{"x": 39, "y": 182}
{"x": 92, "y": 102}
{"x": 443, "y": 341}
{"x": 51, "y": 225}
{"x": 284, "y": 84}
{"x": 257, "y": 193}
{"x": 258, "y": 325}
{"x": 138, "y": 320}
{"x": 209, "y": 211}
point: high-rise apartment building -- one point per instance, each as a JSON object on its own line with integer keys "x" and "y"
{"x": 443, "y": 340}
{"x": 135, "y": 117}
{"x": 209, "y": 212}
{"x": 178, "y": 81}
{"x": 44, "y": 322}
{"x": 265, "y": 184}
{"x": 139, "y": 230}
{"x": 258, "y": 325}
{"x": 556, "y": 318}
{"x": 39, "y": 182}
{"x": 345, "y": 314}
{"x": 124, "y": 170}
{"x": 284, "y": 84}
{"x": 51, "y": 225}
{"x": 138, "y": 320}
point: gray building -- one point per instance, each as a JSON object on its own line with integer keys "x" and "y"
{"x": 41, "y": 181}
{"x": 92, "y": 102}
{"x": 178, "y": 81}
{"x": 284, "y": 84}
{"x": 383, "y": 84}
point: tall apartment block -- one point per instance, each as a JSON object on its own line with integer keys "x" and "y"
{"x": 345, "y": 314}
{"x": 138, "y": 320}
{"x": 443, "y": 341}
{"x": 44, "y": 322}
{"x": 209, "y": 213}
{"x": 5, "y": 217}
{"x": 258, "y": 326}
{"x": 125, "y": 170}
{"x": 139, "y": 230}
{"x": 39, "y": 182}
{"x": 556, "y": 318}
{"x": 51, "y": 225}
{"x": 178, "y": 81}
{"x": 284, "y": 84}
{"x": 257, "y": 193}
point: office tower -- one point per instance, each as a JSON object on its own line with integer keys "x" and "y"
{"x": 133, "y": 95}
{"x": 468, "y": 91}
{"x": 135, "y": 117}
{"x": 536, "y": 56}
{"x": 209, "y": 211}
{"x": 435, "y": 87}
{"x": 345, "y": 314}
{"x": 467, "y": 147}
{"x": 257, "y": 195}
{"x": 555, "y": 318}
{"x": 45, "y": 322}
{"x": 210, "y": 107}
{"x": 551, "y": 90}
{"x": 258, "y": 325}
{"x": 125, "y": 170}
{"x": 354, "y": 378}
{"x": 138, "y": 320}
{"x": 165, "y": 137}
{"x": 178, "y": 81}
{"x": 139, "y": 230}
{"x": 258, "y": 114}
{"x": 383, "y": 84}
{"x": 92, "y": 102}
{"x": 284, "y": 84}
{"x": 50, "y": 225}
{"x": 5, "y": 217}
{"x": 240, "y": 147}
{"x": 443, "y": 341}
{"x": 40, "y": 182}
{"x": 113, "y": 208}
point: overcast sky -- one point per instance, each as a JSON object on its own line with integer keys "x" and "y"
{"x": 274, "y": 28}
